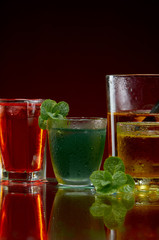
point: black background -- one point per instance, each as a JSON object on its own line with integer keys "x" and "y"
{"x": 64, "y": 52}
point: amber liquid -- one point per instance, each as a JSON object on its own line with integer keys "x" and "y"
{"x": 139, "y": 151}
{"x": 114, "y": 118}
{"x": 141, "y": 223}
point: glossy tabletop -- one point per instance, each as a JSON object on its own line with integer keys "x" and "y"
{"x": 44, "y": 211}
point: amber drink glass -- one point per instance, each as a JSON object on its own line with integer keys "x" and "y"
{"x": 137, "y": 145}
{"x": 130, "y": 98}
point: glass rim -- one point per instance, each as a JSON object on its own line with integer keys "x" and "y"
{"x": 83, "y": 119}
{"x": 21, "y": 100}
{"x": 134, "y": 75}
{"x": 78, "y": 123}
{"x": 120, "y": 124}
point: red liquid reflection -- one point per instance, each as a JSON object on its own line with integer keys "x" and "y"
{"x": 22, "y": 217}
{"x": 21, "y": 140}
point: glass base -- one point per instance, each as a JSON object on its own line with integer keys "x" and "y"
{"x": 147, "y": 184}
{"x": 75, "y": 184}
{"x": 22, "y": 177}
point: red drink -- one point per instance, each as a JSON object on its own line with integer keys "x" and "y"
{"x": 21, "y": 140}
{"x": 22, "y": 217}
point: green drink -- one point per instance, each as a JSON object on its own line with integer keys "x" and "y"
{"x": 77, "y": 149}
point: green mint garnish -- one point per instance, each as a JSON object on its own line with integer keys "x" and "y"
{"x": 47, "y": 107}
{"x": 50, "y": 109}
{"x": 112, "y": 209}
{"x": 113, "y": 178}
{"x": 114, "y": 164}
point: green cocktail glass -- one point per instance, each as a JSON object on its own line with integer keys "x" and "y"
{"x": 76, "y": 148}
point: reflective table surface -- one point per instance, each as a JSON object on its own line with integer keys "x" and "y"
{"x": 44, "y": 211}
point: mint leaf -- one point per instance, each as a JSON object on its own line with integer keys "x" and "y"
{"x": 42, "y": 123}
{"x": 128, "y": 186}
{"x": 61, "y": 108}
{"x": 101, "y": 179}
{"x": 116, "y": 217}
{"x": 119, "y": 179}
{"x": 50, "y": 109}
{"x": 130, "y": 180}
{"x": 107, "y": 190}
{"x": 114, "y": 164}
{"x": 112, "y": 209}
{"x": 97, "y": 209}
{"x": 46, "y": 107}
{"x": 128, "y": 200}
{"x": 55, "y": 116}
{"x": 113, "y": 178}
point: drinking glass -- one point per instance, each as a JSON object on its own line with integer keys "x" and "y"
{"x": 137, "y": 145}
{"x": 76, "y": 147}
{"x": 22, "y": 142}
{"x": 130, "y": 98}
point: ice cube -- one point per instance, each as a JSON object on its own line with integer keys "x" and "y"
{"x": 16, "y": 111}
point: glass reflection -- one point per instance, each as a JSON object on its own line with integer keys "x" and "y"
{"x": 113, "y": 209}
{"x": 142, "y": 222}
{"x": 22, "y": 215}
{"x": 71, "y": 218}
{"x": 133, "y": 217}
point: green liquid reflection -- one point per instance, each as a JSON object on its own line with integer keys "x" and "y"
{"x": 71, "y": 218}
{"x": 83, "y": 215}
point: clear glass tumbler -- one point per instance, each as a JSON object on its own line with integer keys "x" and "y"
{"x": 137, "y": 145}
{"x": 76, "y": 147}
{"x": 22, "y": 142}
{"x": 130, "y": 98}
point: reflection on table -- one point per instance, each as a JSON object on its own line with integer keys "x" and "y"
{"x": 44, "y": 212}
{"x": 71, "y": 219}
{"x": 22, "y": 215}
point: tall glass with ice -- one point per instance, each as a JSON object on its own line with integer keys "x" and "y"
{"x": 133, "y": 125}
{"x": 130, "y": 98}
{"x": 22, "y": 142}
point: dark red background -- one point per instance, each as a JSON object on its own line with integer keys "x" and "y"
{"x": 64, "y": 52}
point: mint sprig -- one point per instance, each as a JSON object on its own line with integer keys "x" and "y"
{"x": 50, "y": 109}
{"x": 113, "y": 178}
{"x": 113, "y": 209}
